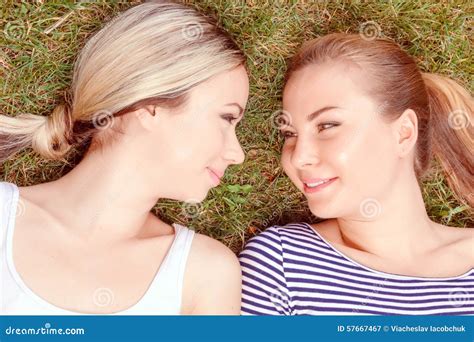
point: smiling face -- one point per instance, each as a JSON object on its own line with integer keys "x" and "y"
{"x": 338, "y": 151}
{"x": 187, "y": 150}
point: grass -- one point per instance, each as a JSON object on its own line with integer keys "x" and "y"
{"x": 36, "y": 67}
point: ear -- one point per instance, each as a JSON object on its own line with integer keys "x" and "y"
{"x": 406, "y": 132}
{"x": 147, "y": 116}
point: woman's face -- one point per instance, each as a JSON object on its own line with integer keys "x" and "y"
{"x": 337, "y": 149}
{"x": 187, "y": 150}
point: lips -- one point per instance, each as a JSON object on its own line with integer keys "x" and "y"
{"x": 219, "y": 174}
{"x": 216, "y": 175}
{"x": 312, "y": 185}
{"x": 315, "y": 181}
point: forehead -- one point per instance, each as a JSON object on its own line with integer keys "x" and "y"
{"x": 326, "y": 84}
{"x": 225, "y": 87}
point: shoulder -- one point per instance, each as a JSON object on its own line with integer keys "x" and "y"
{"x": 455, "y": 235}
{"x": 209, "y": 251}
{"x": 460, "y": 241}
{"x": 213, "y": 278}
{"x": 264, "y": 247}
{"x": 270, "y": 235}
{"x": 271, "y": 248}
{"x": 210, "y": 260}
{"x": 464, "y": 242}
{"x": 276, "y": 238}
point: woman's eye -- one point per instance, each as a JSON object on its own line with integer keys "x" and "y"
{"x": 325, "y": 126}
{"x": 229, "y": 118}
{"x": 287, "y": 134}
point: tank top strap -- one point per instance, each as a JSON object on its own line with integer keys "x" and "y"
{"x": 166, "y": 288}
{"x": 8, "y": 210}
{"x": 177, "y": 261}
{"x": 174, "y": 265}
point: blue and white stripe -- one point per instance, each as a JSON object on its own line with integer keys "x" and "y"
{"x": 292, "y": 270}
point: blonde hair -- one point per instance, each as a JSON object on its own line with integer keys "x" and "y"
{"x": 153, "y": 53}
{"x": 443, "y": 107}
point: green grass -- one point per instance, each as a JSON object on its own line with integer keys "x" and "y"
{"x": 35, "y": 69}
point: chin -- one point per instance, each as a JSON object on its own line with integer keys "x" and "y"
{"x": 322, "y": 211}
{"x": 195, "y": 196}
{"x": 202, "y": 197}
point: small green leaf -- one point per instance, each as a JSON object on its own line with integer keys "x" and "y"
{"x": 240, "y": 200}
{"x": 23, "y": 9}
{"x": 247, "y": 188}
{"x": 233, "y": 188}
{"x": 229, "y": 202}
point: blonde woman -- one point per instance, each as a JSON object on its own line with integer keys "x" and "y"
{"x": 158, "y": 92}
{"x": 363, "y": 125}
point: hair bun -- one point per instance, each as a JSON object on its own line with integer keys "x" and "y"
{"x": 51, "y": 139}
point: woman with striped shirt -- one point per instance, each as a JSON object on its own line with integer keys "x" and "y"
{"x": 362, "y": 124}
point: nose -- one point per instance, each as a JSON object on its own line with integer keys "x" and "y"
{"x": 304, "y": 154}
{"x": 234, "y": 152}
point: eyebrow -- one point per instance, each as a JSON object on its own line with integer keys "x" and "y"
{"x": 315, "y": 114}
{"x": 241, "y": 110}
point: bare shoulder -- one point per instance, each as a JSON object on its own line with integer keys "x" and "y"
{"x": 36, "y": 193}
{"x": 213, "y": 279}
{"x": 212, "y": 254}
{"x": 457, "y": 234}
{"x": 460, "y": 240}
{"x": 33, "y": 200}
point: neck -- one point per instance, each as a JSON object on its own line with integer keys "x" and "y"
{"x": 400, "y": 231}
{"x": 106, "y": 196}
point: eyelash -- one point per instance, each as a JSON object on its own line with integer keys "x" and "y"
{"x": 332, "y": 124}
{"x": 229, "y": 118}
{"x": 288, "y": 134}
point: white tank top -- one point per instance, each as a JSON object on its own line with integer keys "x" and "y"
{"x": 163, "y": 296}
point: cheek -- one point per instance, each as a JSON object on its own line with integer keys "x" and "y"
{"x": 286, "y": 161}
{"x": 366, "y": 161}
{"x": 192, "y": 143}
{"x": 175, "y": 149}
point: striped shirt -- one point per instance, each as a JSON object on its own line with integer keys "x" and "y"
{"x": 292, "y": 270}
